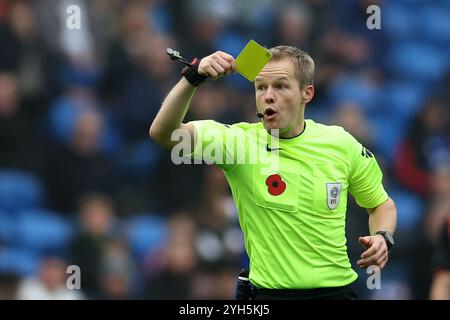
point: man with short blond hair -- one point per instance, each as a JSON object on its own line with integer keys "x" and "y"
{"x": 292, "y": 213}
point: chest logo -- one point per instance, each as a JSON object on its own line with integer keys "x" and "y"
{"x": 275, "y": 184}
{"x": 333, "y": 194}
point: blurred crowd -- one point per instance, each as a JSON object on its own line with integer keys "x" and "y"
{"x": 82, "y": 184}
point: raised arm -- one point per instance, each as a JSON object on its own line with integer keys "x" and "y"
{"x": 175, "y": 105}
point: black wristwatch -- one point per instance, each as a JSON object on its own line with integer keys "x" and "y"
{"x": 388, "y": 238}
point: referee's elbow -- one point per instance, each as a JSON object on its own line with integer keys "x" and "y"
{"x": 159, "y": 136}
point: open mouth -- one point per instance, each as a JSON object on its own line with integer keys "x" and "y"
{"x": 270, "y": 113}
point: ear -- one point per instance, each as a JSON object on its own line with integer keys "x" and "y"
{"x": 307, "y": 93}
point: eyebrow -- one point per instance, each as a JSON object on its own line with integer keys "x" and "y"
{"x": 282, "y": 78}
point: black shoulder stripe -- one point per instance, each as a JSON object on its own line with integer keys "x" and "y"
{"x": 366, "y": 153}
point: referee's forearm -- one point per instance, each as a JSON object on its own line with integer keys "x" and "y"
{"x": 173, "y": 111}
{"x": 383, "y": 217}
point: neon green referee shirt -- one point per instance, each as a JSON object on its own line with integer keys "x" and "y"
{"x": 291, "y": 198}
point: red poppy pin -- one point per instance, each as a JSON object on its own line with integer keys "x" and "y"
{"x": 275, "y": 184}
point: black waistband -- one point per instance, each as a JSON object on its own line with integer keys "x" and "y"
{"x": 306, "y": 293}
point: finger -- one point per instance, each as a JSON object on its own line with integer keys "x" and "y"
{"x": 375, "y": 250}
{"x": 373, "y": 259}
{"x": 363, "y": 266}
{"x": 210, "y": 71}
{"x": 223, "y": 63}
{"x": 382, "y": 261}
{"x": 364, "y": 263}
{"x": 218, "y": 68}
{"x": 233, "y": 67}
{"x": 367, "y": 261}
{"x": 370, "y": 252}
{"x": 381, "y": 258}
{"x": 381, "y": 254}
{"x": 227, "y": 57}
{"x": 383, "y": 264}
{"x": 365, "y": 241}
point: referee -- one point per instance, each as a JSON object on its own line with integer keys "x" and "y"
{"x": 293, "y": 217}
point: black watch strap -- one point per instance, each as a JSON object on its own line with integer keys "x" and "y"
{"x": 191, "y": 74}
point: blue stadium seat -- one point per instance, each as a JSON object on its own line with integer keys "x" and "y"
{"x": 20, "y": 190}
{"x": 400, "y": 20}
{"x": 403, "y": 98}
{"x": 435, "y": 24}
{"x": 231, "y": 42}
{"x": 139, "y": 159}
{"x": 62, "y": 118}
{"x": 388, "y": 131}
{"x": 354, "y": 88}
{"x": 410, "y": 211}
{"x": 418, "y": 61}
{"x": 25, "y": 262}
{"x": 8, "y": 228}
{"x": 42, "y": 230}
{"x": 161, "y": 19}
{"x": 145, "y": 233}
{"x": 62, "y": 115}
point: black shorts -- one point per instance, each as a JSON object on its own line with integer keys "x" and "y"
{"x": 332, "y": 293}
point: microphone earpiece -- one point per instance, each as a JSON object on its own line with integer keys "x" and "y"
{"x": 260, "y": 115}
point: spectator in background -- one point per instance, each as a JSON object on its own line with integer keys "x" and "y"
{"x": 18, "y": 136}
{"x": 50, "y": 284}
{"x": 439, "y": 202}
{"x": 9, "y": 285}
{"x": 146, "y": 84}
{"x": 136, "y": 73}
{"x": 209, "y": 103}
{"x": 425, "y": 148}
{"x": 206, "y": 23}
{"x": 177, "y": 262}
{"x": 13, "y": 29}
{"x": 440, "y": 287}
{"x": 294, "y": 25}
{"x": 118, "y": 271}
{"x": 219, "y": 240}
{"x": 119, "y": 64}
{"x": 82, "y": 166}
{"x": 89, "y": 247}
{"x": 419, "y": 253}
{"x": 23, "y": 53}
{"x": 34, "y": 67}
{"x": 350, "y": 116}
{"x": 225, "y": 283}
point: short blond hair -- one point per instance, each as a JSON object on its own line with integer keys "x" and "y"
{"x": 302, "y": 60}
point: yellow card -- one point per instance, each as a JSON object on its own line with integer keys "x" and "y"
{"x": 252, "y": 59}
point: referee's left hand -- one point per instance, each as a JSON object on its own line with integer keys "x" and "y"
{"x": 376, "y": 253}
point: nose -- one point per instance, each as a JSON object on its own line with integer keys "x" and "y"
{"x": 269, "y": 97}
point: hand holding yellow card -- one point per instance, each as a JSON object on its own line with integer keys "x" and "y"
{"x": 252, "y": 59}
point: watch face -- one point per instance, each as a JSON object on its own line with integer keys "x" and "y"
{"x": 389, "y": 238}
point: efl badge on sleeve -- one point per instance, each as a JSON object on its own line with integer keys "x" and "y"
{"x": 333, "y": 194}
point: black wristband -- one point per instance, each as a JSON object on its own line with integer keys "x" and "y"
{"x": 191, "y": 73}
